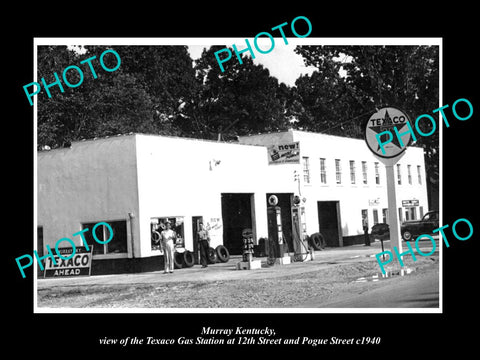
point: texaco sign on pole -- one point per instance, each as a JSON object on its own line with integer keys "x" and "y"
{"x": 387, "y": 136}
{"x": 387, "y": 145}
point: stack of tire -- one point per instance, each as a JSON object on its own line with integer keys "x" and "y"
{"x": 183, "y": 259}
{"x": 219, "y": 254}
{"x": 186, "y": 259}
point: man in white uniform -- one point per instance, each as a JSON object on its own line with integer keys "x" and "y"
{"x": 168, "y": 242}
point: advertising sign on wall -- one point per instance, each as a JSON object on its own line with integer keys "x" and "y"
{"x": 284, "y": 154}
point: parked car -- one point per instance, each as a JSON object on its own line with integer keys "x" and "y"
{"x": 414, "y": 228}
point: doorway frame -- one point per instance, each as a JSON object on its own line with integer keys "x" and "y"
{"x": 339, "y": 219}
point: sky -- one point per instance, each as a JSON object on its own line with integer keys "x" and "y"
{"x": 282, "y": 62}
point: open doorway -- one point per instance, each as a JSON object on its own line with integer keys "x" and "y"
{"x": 196, "y": 220}
{"x": 329, "y": 222}
{"x": 237, "y": 214}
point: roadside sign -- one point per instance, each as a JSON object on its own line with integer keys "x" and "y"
{"x": 383, "y": 132}
{"x": 77, "y": 265}
{"x": 386, "y": 119}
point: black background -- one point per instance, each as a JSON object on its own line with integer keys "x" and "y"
{"x": 402, "y": 334}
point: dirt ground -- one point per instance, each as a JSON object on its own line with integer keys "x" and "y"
{"x": 332, "y": 275}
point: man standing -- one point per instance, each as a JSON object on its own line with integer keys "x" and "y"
{"x": 168, "y": 242}
{"x": 365, "y": 230}
{"x": 204, "y": 243}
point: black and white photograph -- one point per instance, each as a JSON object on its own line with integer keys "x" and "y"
{"x": 243, "y": 183}
{"x": 250, "y": 190}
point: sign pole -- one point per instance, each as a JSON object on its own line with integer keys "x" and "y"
{"x": 387, "y": 136}
{"x": 395, "y": 238}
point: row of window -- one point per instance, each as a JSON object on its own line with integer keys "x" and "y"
{"x": 404, "y": 214}
{"x": 117, "y": 245}
{"x": 353, "y": 172}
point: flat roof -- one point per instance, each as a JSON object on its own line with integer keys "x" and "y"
{"x": 266, "y": 134}
{"x": 132, "y": 134}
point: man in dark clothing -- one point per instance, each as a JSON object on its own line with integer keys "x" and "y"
{"x": 204, "y": 243}
{"x": 365, "y": 230}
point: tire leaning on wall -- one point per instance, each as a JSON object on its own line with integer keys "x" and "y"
{"x": 318, "y": 241}
{"x": 188, "y": 259}
{"x": 222, "y": 253}
{"x": 212, "y": 255}
{"x": 177, "y": 260}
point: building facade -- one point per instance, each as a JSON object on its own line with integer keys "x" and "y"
{"x": 343, "y": 182}
{"x": 136, "y": 182}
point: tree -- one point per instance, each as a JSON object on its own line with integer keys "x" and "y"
{"x": 143, "y": 95}
{"x": 243, "y": 99}
{"x": 370, "y": 77}
{"x": 353, "y": 81}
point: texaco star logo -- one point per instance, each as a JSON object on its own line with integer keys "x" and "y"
{"x": 380, "y": 132}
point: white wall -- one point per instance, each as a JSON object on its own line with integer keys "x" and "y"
{"x": 355, "y": 197}
{"x": 352, "y": 197}
{"x": 157, "y": 176}
{"x": 92, "y": 181}
{"x": 178, "y": 177}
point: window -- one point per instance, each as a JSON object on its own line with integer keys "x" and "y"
{"x": 323, "y": 171}
{"x": 117, "y": 233}
{"x": 400, "y": 218}
{"x": 410, "y": 213}
{"x": 413, "y": 212}
{"x": 421, "y": 211}
{"x": 306, "y": 170}
{"x": 364, "y": 218}
{"x": 157, "y": 225}
{"x": 40, "y": 247}
{"x": 431, "y": 216}
{"x": 399, "y": 175}
{"x": 409, "y": 174}
{"x": 364, "y": 172}
{"x": 385, "y": 215}
{"x": 419, "y": 173}
{"x": 375, "y": 216}
{"x": 338, "y": 171}
{"x": 352, "y": 171}
{"x": 377, "y": 174}
{"x": 40, "y": 241}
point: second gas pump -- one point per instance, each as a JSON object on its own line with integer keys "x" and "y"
{"x": 299, "y": 230}
{"x": 277, "y": 244}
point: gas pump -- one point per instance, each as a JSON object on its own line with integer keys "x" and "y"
{"x": 299, "y": 230}
{"x": 276, "y": 242}
{"x": 274, "y": 216}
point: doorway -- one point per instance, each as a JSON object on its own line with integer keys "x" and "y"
{"x": 329, "y": 222}
{"x": 196, "y": 220}
{"x": 237, "y": 214}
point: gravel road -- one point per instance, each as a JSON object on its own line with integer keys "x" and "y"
{"x": 334, "y": 275}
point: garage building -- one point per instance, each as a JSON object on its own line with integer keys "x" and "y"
{"x": 136, "y": 182}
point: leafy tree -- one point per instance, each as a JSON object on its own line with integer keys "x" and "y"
{"x": 51, "y": 128}
{"x": 243, "y": 99}
{"x": 373, "y": 76}
{"x": 143, "y": 95}
{"x": 157, "y": 90}
{"x": 352, "y": 81}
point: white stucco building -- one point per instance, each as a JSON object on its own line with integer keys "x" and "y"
{"x": 134, "y": 181}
